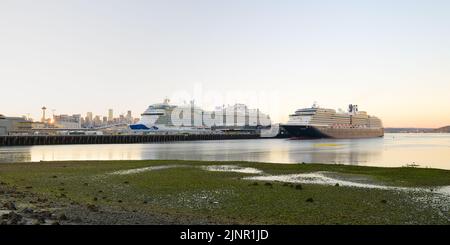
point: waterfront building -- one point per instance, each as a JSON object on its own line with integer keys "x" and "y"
{"x": 4, "y": 125}
{"x": 66, "y": 121}
{"x": 38, "y": 125}
{"x": 10, "y": 125}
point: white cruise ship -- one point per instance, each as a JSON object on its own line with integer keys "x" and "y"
{"x": 167, "y": 117}
{"x": 316, "y": 122}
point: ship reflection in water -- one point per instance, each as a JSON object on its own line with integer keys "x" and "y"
{"x": 394, "y": 150}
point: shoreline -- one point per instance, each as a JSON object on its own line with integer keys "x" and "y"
{"x": 206, "y": 192}
{"x": 422, "y": 150}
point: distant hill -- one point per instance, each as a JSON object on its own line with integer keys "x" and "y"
{"x": 445, "y": 129}
{"x": 408, "y": 130}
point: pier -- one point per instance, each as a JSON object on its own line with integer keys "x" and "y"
{"x": 114, "y": 139}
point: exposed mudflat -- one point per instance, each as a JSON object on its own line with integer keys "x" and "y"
{"x": 220, "y": 193}
{"x": 26, "y": 208}
{"x": 436, "y": 198}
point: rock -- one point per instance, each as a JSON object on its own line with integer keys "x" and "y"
{"x": 92, "y": 208}
{"x": 85, "y": 184}
{"x": 42, "y": 200}
{"x": 12, "y": 218}
{"x": 62, "y": 217}
{"x": 37, "y": 222}
{"x": 27, "y": 211}
{"x": 310, "y": 200}
{"x": 100, "y": 191}
{"x": 383, "y": 201}
{"x": 298, "y": 187}
{"x": 337, "y": 184}
{"x": 28, "y": 187}
{"x": 55, "y": 223}
{"x": 126, "y": 182}
{"x": 54, "y": 177}
{"x": 43, "y": 215}
{"x": 41, "y": 220}
{"x": 95, "y": 199}
{"x": 119, "y": 201}
{"x": 10, "y": 206}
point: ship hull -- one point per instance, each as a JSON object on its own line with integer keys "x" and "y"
{"x": 312, "y": 132}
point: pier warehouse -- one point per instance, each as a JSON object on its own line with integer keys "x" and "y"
{"x": 13, "y": 124}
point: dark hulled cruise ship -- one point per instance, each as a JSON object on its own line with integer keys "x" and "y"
{"x": 316, "y": 122}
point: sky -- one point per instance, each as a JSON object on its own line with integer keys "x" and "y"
{"x": 392, "y": 58}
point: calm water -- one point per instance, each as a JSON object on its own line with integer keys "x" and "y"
{"x": 426, "y": 150}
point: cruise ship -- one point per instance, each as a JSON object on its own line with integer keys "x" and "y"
{"x": 165, "y": 117}
{"x": 316, "y": 122}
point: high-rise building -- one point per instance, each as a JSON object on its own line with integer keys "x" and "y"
{"x": 129, "y": 117}
{"x": 89, "y": 117}
{"x": 97, "y": 121}
{"x": 88, "y": 121}
{"x": 110, "y": 115}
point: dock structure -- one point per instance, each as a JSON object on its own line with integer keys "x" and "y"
{"x": 114, "y": 139}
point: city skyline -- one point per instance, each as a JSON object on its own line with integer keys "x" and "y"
{"x": 390, "y": 58}
{"x": 89, "y": 115}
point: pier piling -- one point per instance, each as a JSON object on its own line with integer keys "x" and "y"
{"x": 113, "y": 139}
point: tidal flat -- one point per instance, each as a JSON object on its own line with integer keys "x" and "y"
{"x": 209, "y": 192}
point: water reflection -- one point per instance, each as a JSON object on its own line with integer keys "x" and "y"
{"x": 15, "y": 154}
{"x": 426, "y": 150}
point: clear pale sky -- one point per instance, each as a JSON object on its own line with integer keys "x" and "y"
{"x": 392, "y": 58}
